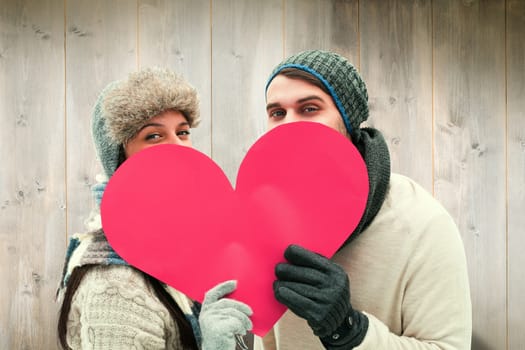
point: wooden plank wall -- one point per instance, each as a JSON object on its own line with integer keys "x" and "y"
{"x": 469, "y": 148}
{"x": 396, "y": 62}
{"x": 32, "y": 180}
{"x": 515, "y": 138}
{"x": 246, "y": 43}
{"x": 100, "y": 46}
{"x": 446, "y": 81}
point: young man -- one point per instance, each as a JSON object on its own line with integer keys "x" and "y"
{"x": 400, "y": 280}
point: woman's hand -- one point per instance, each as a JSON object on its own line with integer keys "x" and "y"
{"x": 222, "y": 319}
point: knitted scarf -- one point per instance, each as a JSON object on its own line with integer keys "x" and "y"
{"x": 374, "y": 150}
{"x": 93, "y": 249}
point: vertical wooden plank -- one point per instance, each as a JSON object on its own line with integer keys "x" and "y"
{"x": 32, "y": 190}
{"x": 177, "y": 35}
{"x": 516, "y": 170}
{"x": 322, "y": 24}
{"x": 247, "y": 43}
{"x": 396, "y": 63}
{"x": 469, "y": 110}
{"x": 101, "y": 46}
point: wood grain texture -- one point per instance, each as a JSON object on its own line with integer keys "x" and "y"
{"x": 469, "y": 110}
{"x": 176, "y": 34}
{"x": 32, "y": 182}
{"x": 227, "y": 48}
{"x": 396, "y": 64}
{"x": 247, "y": 43}
{"x": 101, "y": 46}
{"x": 322, "y": 24}
{"x": 516, "y": 171}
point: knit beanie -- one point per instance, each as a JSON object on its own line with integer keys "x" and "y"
{"x": 339, "y": 76}
{"x": 124, "y": 107}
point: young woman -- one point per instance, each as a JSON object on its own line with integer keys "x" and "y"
{"x": 108, "y": 304}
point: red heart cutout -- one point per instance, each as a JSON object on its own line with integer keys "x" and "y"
{"x": 171, "y": 212}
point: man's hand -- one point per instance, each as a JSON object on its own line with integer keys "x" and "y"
{"x": 318, "y": 290}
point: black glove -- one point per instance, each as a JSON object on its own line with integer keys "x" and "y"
{"x": 318, "y": 290}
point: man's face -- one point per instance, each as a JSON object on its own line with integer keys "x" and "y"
{"x": 292, "y": 100}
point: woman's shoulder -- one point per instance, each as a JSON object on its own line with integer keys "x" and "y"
{"x": 118, "y": 293}
{"x": 117, "y": 301}
{"x": 122, "y": 278}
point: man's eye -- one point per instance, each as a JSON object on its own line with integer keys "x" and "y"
{"x": 277, "y": 114}
{"x": 183, "y": 133}
{"x": 310, "y": 109}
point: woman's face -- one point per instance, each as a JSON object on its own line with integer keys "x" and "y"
{"x": 170, "y": 127}
{"x": 291, "y": 100}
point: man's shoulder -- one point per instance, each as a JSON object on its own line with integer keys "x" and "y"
{"x": 410, "y": 208}
{"x": 406, "y": 195}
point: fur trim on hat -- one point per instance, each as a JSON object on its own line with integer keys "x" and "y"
{"x": 145, "y": 94}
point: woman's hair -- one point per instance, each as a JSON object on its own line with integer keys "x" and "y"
{"x": 73, "y": 283}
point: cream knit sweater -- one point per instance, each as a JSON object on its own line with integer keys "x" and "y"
{"x": 408, "y": 274}
{"x": 114, "y": 308}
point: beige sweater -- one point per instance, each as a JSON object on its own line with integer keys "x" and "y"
{"x": 114, "y": 308}
{"x": 408, "y": 273}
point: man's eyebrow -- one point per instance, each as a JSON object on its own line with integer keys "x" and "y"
{"x": 308, "y": 98}
{"x": 272, "y": 105}
{"x": 301, "y": 100}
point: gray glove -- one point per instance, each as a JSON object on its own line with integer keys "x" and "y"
{"x": 222, "y": 319}
{"x": 318, "y": 290}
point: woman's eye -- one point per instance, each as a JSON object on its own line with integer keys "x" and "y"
{"x": 152, "y": 137}
{"x": 183, "y": 133}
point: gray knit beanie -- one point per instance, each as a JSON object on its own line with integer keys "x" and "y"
{"x": 341, "y": 79}
{"x": 123, "y": 107}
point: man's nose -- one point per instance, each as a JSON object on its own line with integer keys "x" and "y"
{"x": 291, "y": 117}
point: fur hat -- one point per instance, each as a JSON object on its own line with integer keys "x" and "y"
{"x": 125, "y": 106}
{"x": 339, "y": 76}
